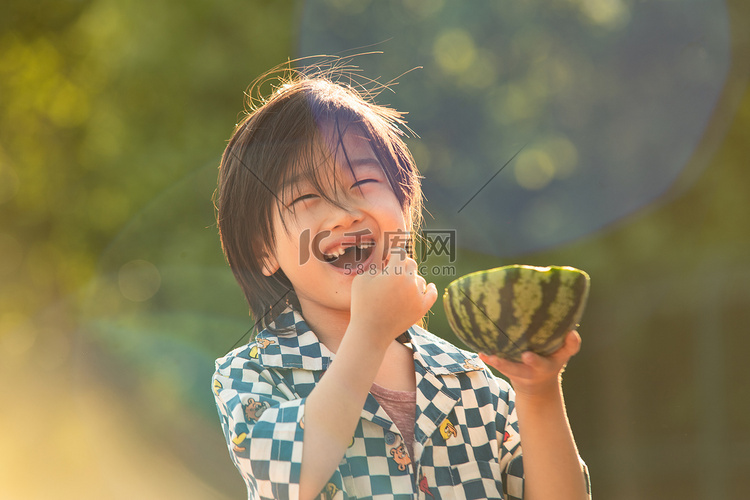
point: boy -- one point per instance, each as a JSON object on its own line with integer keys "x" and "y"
{"x": 342, "y": 395}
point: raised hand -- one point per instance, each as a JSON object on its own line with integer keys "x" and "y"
{"x": 537, "y": 373}
{"x": 390, "y": 301}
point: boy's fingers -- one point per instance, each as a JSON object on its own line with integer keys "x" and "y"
{"x": 411, "y": 267}
{"x": 570, "y": 347}
{"x": 404, "y": 264}
{"x": 533, "y": 360}
{"x": 430, "y": 295}
{"x": 573, "y": 340}
{"x": 397, "y": 254}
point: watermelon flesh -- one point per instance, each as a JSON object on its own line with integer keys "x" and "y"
{"x": 508, "y": 310}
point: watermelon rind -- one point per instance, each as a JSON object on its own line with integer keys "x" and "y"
{"x": 508, "y": 310}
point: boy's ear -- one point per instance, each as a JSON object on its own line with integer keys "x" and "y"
{"x": 270, "y": 265}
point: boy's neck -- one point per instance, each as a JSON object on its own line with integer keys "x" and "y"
{"x": 397, "y": 370}
{"x": 329, "y": 326}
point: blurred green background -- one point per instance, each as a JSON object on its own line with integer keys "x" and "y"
{"x": 115, "y": 298}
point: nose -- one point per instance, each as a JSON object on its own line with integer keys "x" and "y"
{"x": 343, "y": 214}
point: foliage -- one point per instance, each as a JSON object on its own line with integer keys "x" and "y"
{"x": 113, "y": 289}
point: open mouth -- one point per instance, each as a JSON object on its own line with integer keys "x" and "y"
{"x": 350, "y": 256}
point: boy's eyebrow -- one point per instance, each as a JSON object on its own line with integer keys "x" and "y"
{"x": 367, "y": 161}
{"x": 355, "y": 163}
{"x": 365, "y": 164}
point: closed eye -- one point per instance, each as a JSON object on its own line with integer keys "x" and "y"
{"x": 364, "y": 181}
{"x": 304, "y": 197}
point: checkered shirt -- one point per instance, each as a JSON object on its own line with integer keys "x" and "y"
{"x": 466, "y": 440}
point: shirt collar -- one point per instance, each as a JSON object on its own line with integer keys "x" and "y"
{"x": 289, "y": 343}
{"x": 440, "y": 356}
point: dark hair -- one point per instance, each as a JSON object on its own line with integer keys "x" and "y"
{"x": 281, "y": 137}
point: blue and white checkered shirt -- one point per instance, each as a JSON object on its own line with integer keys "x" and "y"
{"x": 466, "y": 440}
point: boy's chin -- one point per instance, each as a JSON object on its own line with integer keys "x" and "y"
{"x": 340, "y": 302}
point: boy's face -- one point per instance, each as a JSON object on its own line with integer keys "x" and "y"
{"x": 324, "y": 246}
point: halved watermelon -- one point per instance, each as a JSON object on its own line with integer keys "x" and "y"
{"x": 508, "y": 310}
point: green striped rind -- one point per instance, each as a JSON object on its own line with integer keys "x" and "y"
{"x": 512, "y": 309}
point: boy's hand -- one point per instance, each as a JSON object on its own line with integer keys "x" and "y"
{"x": 536, "y": 374}
{"x": 389, "y": 302}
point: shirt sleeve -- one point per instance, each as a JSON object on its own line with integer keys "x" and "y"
{"x": 263, "y": 425}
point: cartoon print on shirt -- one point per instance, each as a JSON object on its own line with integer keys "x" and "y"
{"x": 400, "y": 455}
{"x": 423, "y": 487}
{"x": 254, "y": 409}
{"x": 263, "y": 343}
{"x": 469, "y": 365}
{"x": 447, "y": 429}
{"x": 395, "y": 444}
{"x": 260, "y": 344}
{"x": 238, "y": 440}
{"x": 330, "y": 492}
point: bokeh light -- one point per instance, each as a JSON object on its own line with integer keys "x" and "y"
{"x": 139, "y": 280}
{"x": 621, "y": 92}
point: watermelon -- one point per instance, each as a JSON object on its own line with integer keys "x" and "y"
{"x": 508, "y": 310}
